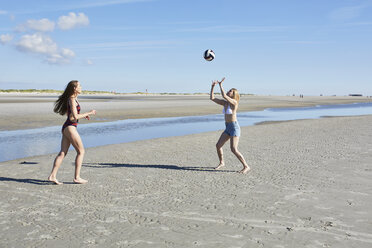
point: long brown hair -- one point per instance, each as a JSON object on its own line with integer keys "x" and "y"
{"x": 60, "y": 106}
{"x": 236, "y": 95}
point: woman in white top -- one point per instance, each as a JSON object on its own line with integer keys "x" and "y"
{"x": 230, "y": 105}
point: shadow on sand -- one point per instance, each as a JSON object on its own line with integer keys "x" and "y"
{"x": 25, "y": 180}
{"x": 26, "y": 162}
{"x": 153, "y": 166}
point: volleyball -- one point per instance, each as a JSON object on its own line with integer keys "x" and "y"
{"x": 209, "y": 55}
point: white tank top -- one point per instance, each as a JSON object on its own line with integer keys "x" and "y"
{"x": 227, "y": 111}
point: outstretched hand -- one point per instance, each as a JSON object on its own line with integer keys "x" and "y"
{"x": 220, "y": 82}
{"x": 214, "y": 83}
{"x": 92, "y": 112}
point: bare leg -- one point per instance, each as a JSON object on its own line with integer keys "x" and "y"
{"x": 65, "y": 144}
{"x": 79, "y": 147}
{"x": 223, "y": 139}
{"x": 234, "y": 148}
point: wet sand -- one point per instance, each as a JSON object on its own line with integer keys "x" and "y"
{"x": 33, "y": 111}
{"x": 310, "y": 186}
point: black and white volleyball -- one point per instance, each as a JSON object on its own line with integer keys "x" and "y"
{"x": 209, "y": 55}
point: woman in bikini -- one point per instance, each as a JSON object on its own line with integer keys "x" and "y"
{"x": 230, "y": 105}
{"x": 68, "y": 103}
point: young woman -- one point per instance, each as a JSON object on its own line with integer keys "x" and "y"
{"x": 68, "y": 103}
{"x": 230, "y": 105}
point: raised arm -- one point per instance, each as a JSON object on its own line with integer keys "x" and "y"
{"x": 218, "y": 101}
{"x": 74, "y": 114}
{"x": 225, "y": 96}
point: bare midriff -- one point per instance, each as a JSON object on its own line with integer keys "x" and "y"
{"x": 231, "y": 117}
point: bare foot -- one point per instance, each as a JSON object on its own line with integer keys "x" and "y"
{"x": 245, "y": 170}
{"x": 80, "y": 181}
{"x": 54, "y": 180}
{"x": 220, "y": 166}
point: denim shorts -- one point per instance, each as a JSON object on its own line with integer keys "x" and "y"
{"x": 232, "y": 128}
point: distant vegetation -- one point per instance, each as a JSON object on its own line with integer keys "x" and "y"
{"x": 30, "y": 91}
{"x": 49, "y": 91}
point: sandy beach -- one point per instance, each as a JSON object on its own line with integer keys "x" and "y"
{"x": 33, "y": 111}
{"x": 310, "y": 183}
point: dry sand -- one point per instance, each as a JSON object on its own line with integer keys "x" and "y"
{"x": 310, "y": 186}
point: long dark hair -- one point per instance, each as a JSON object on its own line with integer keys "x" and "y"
{"x": 60, "y": 106}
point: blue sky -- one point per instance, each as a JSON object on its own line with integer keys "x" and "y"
{"x": 266, "y": 47}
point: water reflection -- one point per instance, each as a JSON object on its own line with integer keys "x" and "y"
{"x": 32, "y": 142}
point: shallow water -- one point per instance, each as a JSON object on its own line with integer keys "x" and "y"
{"x": 32, "y": 142}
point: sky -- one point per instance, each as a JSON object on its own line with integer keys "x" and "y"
{"x": 267, "y": 47}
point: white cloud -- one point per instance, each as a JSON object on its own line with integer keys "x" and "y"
{"x": 3, "y": 12}
{"x": 72, "y": 21}
{"x": 36, "y": 42}
{"x": 6, "y": 38}
{"x": 43, "y": 25}
{"x": 67, "y": 53}
{"x": 44, "y": 46}
{"x": 64, "y": 57}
